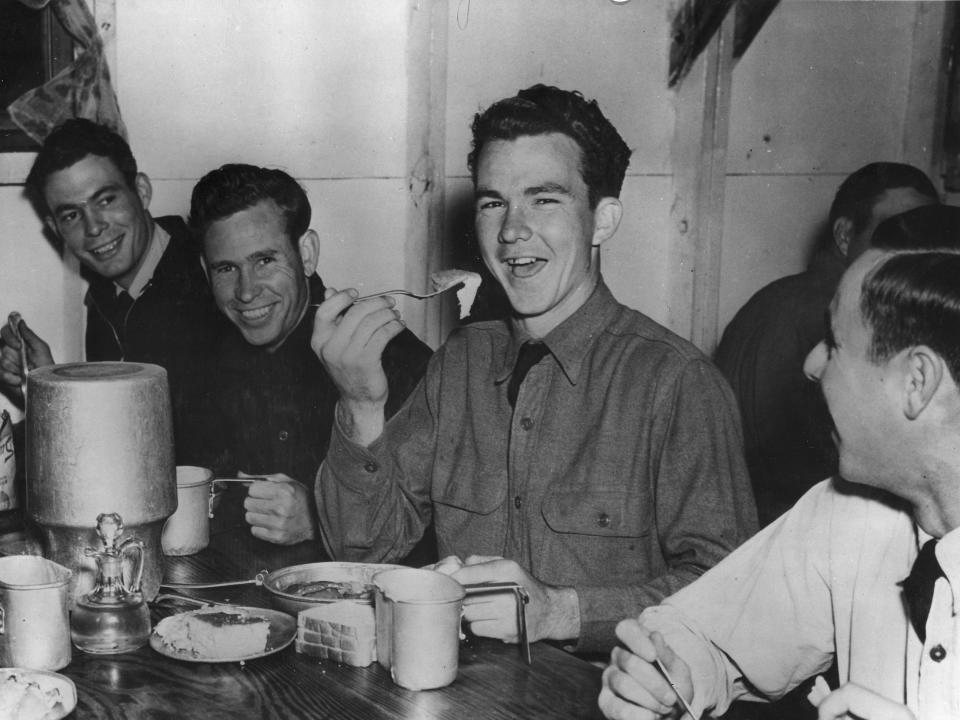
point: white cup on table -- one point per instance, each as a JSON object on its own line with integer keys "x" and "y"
{"x": 187, "y": 531}
{"x": 418, "y": 626}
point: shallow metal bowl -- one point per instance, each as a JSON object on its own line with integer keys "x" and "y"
{"x": 282, "y": 583}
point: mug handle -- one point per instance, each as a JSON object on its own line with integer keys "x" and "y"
{"x": 3, "y": 624}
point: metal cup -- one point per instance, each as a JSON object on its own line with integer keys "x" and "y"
{"x": 34, "y": 620}
{"x": 418, "y": 626}
{"x": 187, "y": 531}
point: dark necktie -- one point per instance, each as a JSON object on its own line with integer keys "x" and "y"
{"x": 530, "y": 354}
{"x": 918, "y": 587}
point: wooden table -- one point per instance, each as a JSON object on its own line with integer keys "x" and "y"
{"x": 493, "y": 680}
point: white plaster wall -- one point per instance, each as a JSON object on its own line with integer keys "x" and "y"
{"x": 821, "y": 92}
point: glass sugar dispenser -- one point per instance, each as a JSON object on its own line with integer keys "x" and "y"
{"x": 112, "y": 618}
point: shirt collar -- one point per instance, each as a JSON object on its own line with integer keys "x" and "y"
{"x": 155, "y": 250}
{"x": 571, "y": 340}
{"x": 948, "y": 555}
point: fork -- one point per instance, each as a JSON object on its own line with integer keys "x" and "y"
{"x": 14, "y": 321}
{"x": 408, "y": 293}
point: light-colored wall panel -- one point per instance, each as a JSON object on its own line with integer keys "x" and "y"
{"x": 771, "y": 223}
{"x": 616, "y": 53}
{"x": 636, "y": 261}
{"x": 33, "y": 279}
{"x": 823, "y": 88}
{"x": 318, "y": 88}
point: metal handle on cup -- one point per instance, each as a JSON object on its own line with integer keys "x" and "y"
{"x": 3, "y": 620}
{"x": 522, "y": 598}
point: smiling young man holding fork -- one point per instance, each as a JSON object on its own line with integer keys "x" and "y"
{"x": 576, "y": 447}
{"x": 273, "y": 395}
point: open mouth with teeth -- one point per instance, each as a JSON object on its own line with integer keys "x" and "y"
{"x": 106, "y": 250}
{"x": 255, "y": 314}
{"x": 524, "y": 266}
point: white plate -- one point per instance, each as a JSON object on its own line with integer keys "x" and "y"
{"x": 48, "y": 681}
{"x": 283, "y": 629}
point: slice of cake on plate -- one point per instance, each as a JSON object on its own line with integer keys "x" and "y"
{"x": 215, "y": 632}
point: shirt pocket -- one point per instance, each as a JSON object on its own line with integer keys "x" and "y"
{"x": 605, "y": 513}
{"x": 598, "y": 537}
{"x": 466, "y": 517}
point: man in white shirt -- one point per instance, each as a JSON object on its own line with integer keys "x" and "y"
{"x": 827, "y": 579}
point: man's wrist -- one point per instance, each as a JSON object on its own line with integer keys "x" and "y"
{"x": 564, "y": 613}
{"x": 361, "y": 422}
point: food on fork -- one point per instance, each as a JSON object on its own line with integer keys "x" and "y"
{"x": 215, "y": 632}
{"x": 444, "y": 279}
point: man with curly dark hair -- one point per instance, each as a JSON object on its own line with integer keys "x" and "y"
{"x": 574, "y": 447}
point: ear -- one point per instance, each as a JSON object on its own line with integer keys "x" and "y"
{"x": 923, "y": 371}
{"x": 309, "y": 245}
{"x": 203, "y": 264}
{"x": 843, "y": 234}
{"x": 51, "y": 225}
{"x": 606, "y": 220}
{"x": 144, "y": 189}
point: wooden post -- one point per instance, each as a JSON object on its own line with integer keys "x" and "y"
{"x": 699, "y": 174}
{"x": 426, "y": 139}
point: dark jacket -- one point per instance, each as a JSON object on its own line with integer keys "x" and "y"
{"x": 175, "y": 324}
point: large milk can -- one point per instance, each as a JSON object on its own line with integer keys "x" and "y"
{"x": 99, "y": 439}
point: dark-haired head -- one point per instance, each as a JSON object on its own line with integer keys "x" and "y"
{"x": 235, "y": 187}
{"x": 911, "y": 299}
{"x": 70, "y": 142}
{"x": 930, "y": 227}
{"x": 543, "y": 109}
{"x": 857, "y": 206}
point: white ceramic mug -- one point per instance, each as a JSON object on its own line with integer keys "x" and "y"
{"x": 418, "y": 626}
{"x": 34, "y": 620}
{"x": 187, "y": 531}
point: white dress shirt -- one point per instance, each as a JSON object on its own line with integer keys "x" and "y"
{"x": 822, "y": 580}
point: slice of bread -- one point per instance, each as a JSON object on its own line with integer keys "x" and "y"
{"x": 345, "y": 632}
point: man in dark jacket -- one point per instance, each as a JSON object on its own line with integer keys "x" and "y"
{"x": 275, "y": 399}
{"x": 148, "y": 300}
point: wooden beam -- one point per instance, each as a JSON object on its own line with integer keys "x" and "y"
{"x": 928, "y": 86}
{"x": 750, "y": 17}
{"x": 699, "y": 176}
{"x": 691, "y": 31}
{"x": 426, "y": 142}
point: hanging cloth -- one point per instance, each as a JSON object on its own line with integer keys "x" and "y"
{"x": 82, "y": 90}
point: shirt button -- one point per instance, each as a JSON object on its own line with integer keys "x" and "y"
{"x": 517, "y": 502}
{"x": 371, "y": 467}
{"x": 603, "y": 520}
{"x": 283, "y": 435}
{"x": 937, "y": 653}
{"x": 526, "y": 423}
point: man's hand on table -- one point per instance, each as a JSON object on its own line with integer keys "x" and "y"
{"x": 278, "y": 509}
{"x": 349, "y": 339}
{"x": 633, "y": 687}
{"x": 11, "y": 370}
{"x": 553, "y": 613}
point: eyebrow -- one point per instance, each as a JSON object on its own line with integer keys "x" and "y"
{"x": 552, "y": 188}
{"x": 106, "y": 189}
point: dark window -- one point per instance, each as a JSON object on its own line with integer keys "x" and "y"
{"x": 33, "y": 48}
